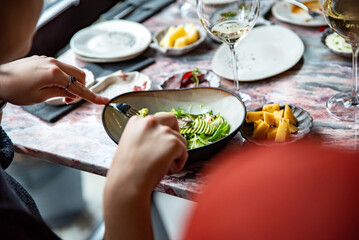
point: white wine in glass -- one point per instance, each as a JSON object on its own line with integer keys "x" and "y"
{"x": 229, "y": 21}
{"x": 343, "y": 17}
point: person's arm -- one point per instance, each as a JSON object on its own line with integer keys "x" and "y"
{"x": 149, "y": 148}
{"x": 35, "y": 79}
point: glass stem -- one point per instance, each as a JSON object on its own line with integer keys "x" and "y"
{"x": 355, "y": 47}
{"x": 235, "y": 66}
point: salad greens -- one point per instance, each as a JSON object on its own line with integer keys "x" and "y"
{"x": 199, "y": 129}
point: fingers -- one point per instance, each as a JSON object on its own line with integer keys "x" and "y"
{"x": 180, "y": 148}
{"x": 179, "y": 162}
{"x": 81, "y": 91}
{"x": 73, "y": 71}
{"x": 56, "y": 92}
{"x": 168, "y": 119}
{"x": 68, "y": 69}
{"x": 61, "y": 79}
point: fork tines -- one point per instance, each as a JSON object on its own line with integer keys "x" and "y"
{"x": 125, "y": 109}
{"x": 132, "y": 112}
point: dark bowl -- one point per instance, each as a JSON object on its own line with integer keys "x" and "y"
{"x": 218, "y": 100}
{"x": 305, "y": 124}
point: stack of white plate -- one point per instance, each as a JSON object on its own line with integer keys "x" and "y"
{"x": 111, "y": 41}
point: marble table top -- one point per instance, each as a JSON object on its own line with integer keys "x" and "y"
{"x": 78, "y": 140}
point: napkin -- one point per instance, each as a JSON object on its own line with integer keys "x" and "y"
{"x": 51, "y": 113}
{"x": 143, "y": 9}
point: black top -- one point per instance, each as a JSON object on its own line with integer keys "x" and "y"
{"x": 19, "y": 216}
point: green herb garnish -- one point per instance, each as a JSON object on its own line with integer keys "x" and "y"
{"x": 228, "y": 14}
{"x": 194, "y": 76}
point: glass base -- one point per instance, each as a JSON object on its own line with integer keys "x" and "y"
{"x": 184, "y": 10}
{"x": 247, "y": 99}
{"x": 344, "y": 107}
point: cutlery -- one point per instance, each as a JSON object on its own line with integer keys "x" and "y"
{"x": 311, "y": 13}
{"x": 124, "y": 13}
{"x": 124, "y": 108}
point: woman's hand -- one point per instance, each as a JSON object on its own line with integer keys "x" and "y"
{"x": 149, "y": 148}
{"x": 35, "y": 79}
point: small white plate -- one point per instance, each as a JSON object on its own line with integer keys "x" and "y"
{"x": 111, "y": 40}
{"x": 90, "y": 80}
{"x": 283, "y": 12}
{"x": 119, "y": 82}
{"x": 265, "y": 52}
{"x": 106, "y": 60}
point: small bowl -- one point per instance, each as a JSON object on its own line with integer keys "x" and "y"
{"x": 305, "y": 124}
{"x": 177, "y": 51}
{"x": 324, "y": 36}
{"x": 121, "y": 82}
{"x": 211, "y": 77}
{"x": 189, "y": 99}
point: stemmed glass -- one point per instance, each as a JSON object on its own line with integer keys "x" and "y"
{"x": 343, "y": 17}
{"x": 229, "y": 21}
{"x": 184, "y": 9}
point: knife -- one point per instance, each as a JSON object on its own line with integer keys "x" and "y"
{"x": 124, "y": 13}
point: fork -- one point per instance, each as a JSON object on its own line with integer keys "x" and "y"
{"x": 124, "y": 108}
{"x": 311, "y": 13}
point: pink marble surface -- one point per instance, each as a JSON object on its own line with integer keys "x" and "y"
{"x": 78, "y": 140}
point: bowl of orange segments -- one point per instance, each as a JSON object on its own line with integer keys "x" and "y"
{"x": 276, "y": 123}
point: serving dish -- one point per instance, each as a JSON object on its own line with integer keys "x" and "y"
{"x": 211, "y": 77}
{"x": 192, "y": 100}
{"x": 327, "y": 37}
{"x": 305, "y": 124}
{"x": 177, "y": 51}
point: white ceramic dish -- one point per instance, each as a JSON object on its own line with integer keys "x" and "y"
{"x": 283, "y": 12}
{"x": 106, "y": 60}
{"x": 111, "y": 40}
{"x": 90, "y": 80}
{"x": 120, "y": 82}
{"x": 177, "y": 51}
{"x": 265, "y": 52}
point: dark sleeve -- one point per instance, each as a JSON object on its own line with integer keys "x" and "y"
{"x": 17, "y": 224}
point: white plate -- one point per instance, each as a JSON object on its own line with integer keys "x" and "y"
{"x": 119, "y": 82}
{"x": 106, "y": 60}
{"x": 283, "y": 12}
{"x": 111, "y": 39}
{"x": 265, "y": 52}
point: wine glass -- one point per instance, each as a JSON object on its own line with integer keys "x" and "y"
{"x": 229, "y": 21}
{"x": 184, "y": 9}
{"x": 343, "y": 17}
